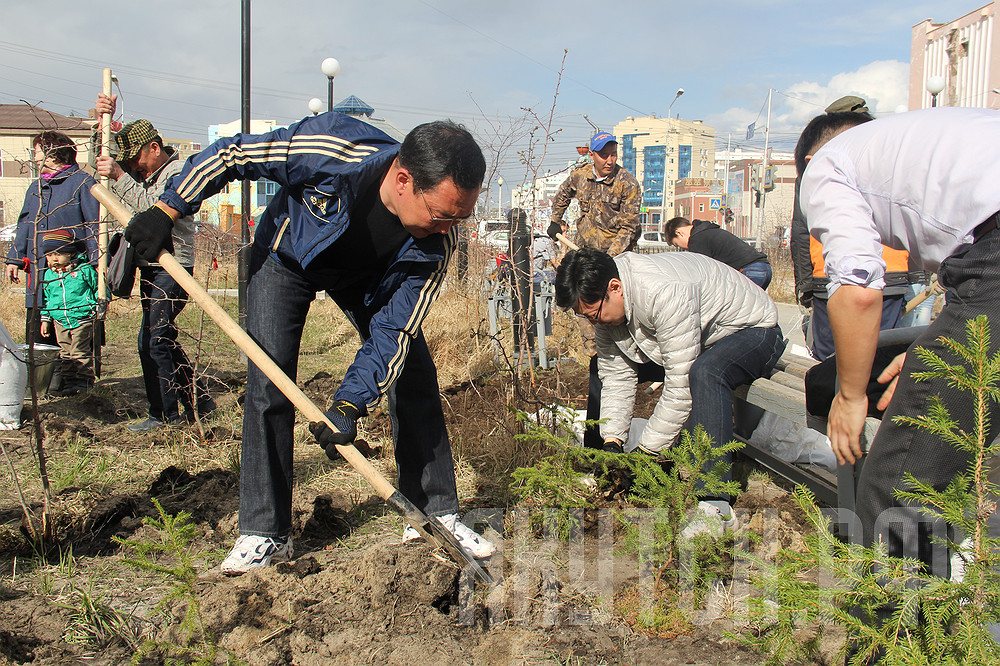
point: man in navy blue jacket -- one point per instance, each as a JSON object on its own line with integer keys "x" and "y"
{"x": 371, "y": 222}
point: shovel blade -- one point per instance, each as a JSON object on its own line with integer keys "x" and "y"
{"x": 435, "y": 532}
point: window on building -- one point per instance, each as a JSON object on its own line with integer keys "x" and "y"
{"x": 3, "y": 220}
{"x": 629, "y": 151}
{"x": 652, "y": 177}
{"x": 30, "y": 161}
{"x": 684, "y": 163}
{"x": 266, "y": 189}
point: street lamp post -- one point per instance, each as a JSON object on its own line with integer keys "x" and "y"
{"x": 666, "y": 153}
{"x": 500, "y": 198}
{"x": 315, "y": 105}
{"x": 935, "y": 84}
{"x": 330, "y": 67}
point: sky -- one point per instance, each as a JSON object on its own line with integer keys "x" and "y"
{"x": 511, "y": 71}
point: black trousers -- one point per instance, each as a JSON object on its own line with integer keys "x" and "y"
{"x": 972, "y": 278}
{"x": 973, "y": 281}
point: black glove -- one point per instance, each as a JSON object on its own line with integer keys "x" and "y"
{"x": 806, "y": 299}
{"x": 554, "y": 228}
{"x": 344, "y": 416}
{"x": 149, "y": 232}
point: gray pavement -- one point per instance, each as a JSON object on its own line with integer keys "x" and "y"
{"x": 790, "y": 320}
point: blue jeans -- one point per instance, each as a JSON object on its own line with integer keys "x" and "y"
{"x": 166, "y": 371}
{"x": 822, "y": 332}
{"x": 735, "y": 360}
{"x": 759, "y": 272}
{"x": 278, "y": 301}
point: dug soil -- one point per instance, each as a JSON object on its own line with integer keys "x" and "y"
{"x": 353, "y": 593}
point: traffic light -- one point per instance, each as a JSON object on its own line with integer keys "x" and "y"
{"x": 729, "y": 215}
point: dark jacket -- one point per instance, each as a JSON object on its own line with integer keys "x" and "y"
{"x": 62, "y": 202}
{"x": 799, "y": 245}
{"x": 710, "y": 239}
{"x": 322, "y": 164}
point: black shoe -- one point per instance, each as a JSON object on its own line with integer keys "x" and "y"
{"x": 72, "y": 388}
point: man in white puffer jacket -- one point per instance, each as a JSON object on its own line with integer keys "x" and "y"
{"x": 697, "y": 324}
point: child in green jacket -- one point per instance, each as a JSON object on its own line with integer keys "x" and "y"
{"x": 69, "y": 287}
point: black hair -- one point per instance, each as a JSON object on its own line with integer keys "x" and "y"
{"x": 442, "y": 149}
{"x": 821, "y": 129}
{"x": 672, "y": 225}
{"x": 583, "y": 275}
{"x": 56, "y": 145}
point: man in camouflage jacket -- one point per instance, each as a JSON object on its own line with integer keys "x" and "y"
{"x": 609, "y": 199}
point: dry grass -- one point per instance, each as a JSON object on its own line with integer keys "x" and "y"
{"x": 782, "y": 287}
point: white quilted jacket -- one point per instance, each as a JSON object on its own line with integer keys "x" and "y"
{"x": 676, "y": 304}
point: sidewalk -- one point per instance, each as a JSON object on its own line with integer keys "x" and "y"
{"x": 790, "y": 320}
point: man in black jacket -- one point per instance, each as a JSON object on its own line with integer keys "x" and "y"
{"x": 708, "y": 238}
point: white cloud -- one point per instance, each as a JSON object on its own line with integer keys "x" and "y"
{"x": 883, "y": 84}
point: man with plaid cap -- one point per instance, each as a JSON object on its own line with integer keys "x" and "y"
{"x": 166, "y": 372}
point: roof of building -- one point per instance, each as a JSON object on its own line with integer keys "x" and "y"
{"x": 354, "y": 106}
{"x": 25, "y": 117}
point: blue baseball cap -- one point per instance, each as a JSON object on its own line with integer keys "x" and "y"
{"x": 600, "y": 140}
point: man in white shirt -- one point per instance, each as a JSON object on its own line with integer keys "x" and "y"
{"x": 927, "y": 182}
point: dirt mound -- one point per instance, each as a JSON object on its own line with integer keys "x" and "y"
{"x": 387, "y": 603}
{"x": 767, "y": 509}
{"x": 33, "y": 632}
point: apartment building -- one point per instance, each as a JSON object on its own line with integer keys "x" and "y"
{"x": 660, "y": 152}
{"x": 963, "y": 55}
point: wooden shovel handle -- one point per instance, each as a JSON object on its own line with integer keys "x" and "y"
{"x": 567, "y": 242}
{"x": 932, "y": 288}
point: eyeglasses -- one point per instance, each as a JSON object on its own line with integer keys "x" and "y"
{"x": 442, "y": 220}
{"x": 596, "y": 317}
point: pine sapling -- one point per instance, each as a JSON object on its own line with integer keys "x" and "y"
{"x": 170, "y": 556}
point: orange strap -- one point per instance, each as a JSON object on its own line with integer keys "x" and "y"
{"x": 895, "y": 260}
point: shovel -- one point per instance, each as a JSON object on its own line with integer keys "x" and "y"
{"x": 431, "y": 529}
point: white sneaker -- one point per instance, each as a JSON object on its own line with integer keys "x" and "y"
{"x": 255, "y": 552}
{"x": 474, "y": 544}
{"x": 712, "y": 517}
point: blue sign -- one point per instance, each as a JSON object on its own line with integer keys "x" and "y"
{"x": 715, "y": 204}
